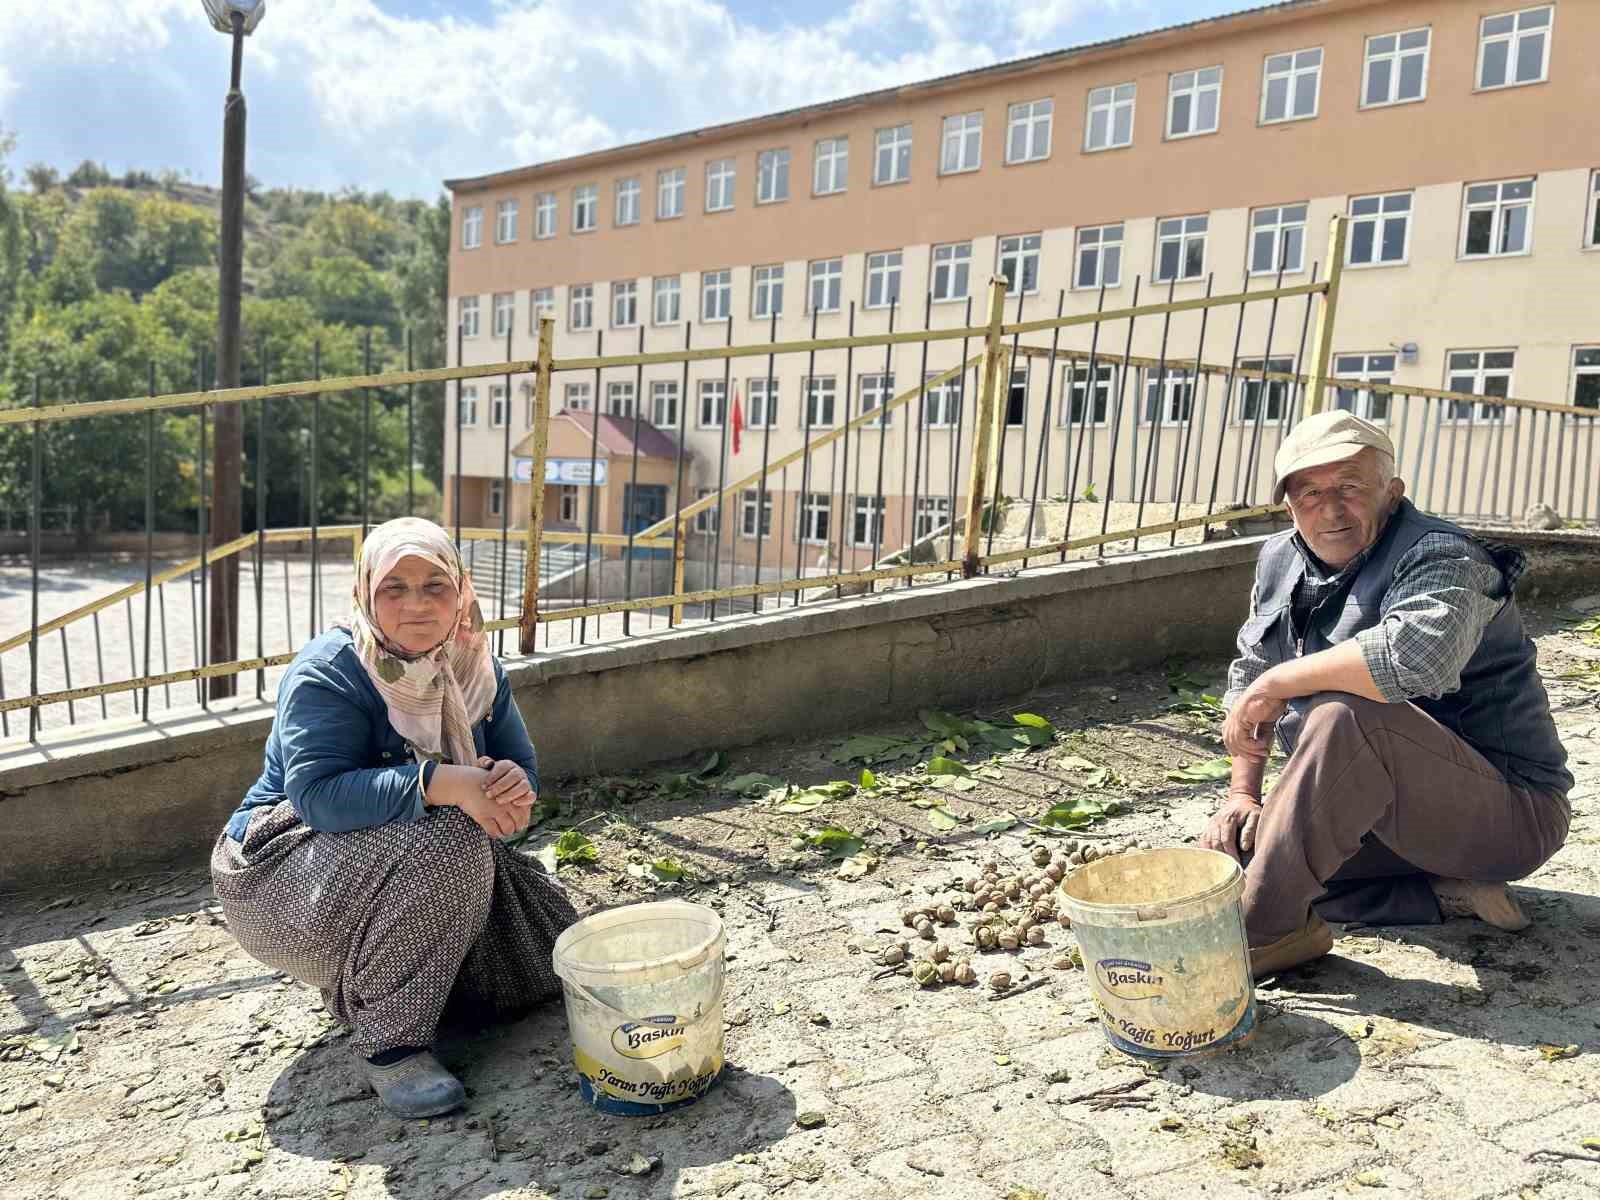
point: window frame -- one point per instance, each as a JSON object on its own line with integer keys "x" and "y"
{"x": 761, "y": 287}
{"x": 585, "y": 194}
{"x": 567, "y": 492}
{"x": 748, "y": 498}
{"x": 708, "y": 519}
{"x": 1582, "y": 371}
{"x": 1073, "y": 387}
{"x": 626, "y": 188}
{"x": 469, "y": 306}
{"x": 577, "y": 387}
{"x": 472, "y": 218}
{"x": 883, "y": 389}
{"x": 546, "y": 204}
{"x": 499, "y": 405}
{"x": 1110, "y": 107}
{"x": 772, "y": 169}
{"x": 959, "y": 264}
{"x": 657, "y": 288}
{"x": 632, "y": 295}
{"x": 805, "y": 529}
{"x": 838, "y": 160}
{"x": 573, "y": 296}
{"x": 1276, "y": 389}
{"x": 624, "y": 388}
{"x": 1182, "y": 238}
{"x": 1480, "y": 375}
{"x": 1591, "y": 224}
{"x": 502, "y": 314}
{"x": 1014, "y": 385}
{"x": 724, "y": 285}
{"x": 1022, "y": 254}
{"x": 835, "y": 278}
{"x": 1362, "y": 404}
{"x": 725, "y": 172}
{"x": 894, "y": 147}
{"x": 876, "y": 511}
{"x": 1513, "y": 38}
{"x": 535, "y": 307}
{"x": 886, "y": 272}
{"x": 496, "y": 497}
{"x": 1292, "y": 75}
{"x": 466, "y": 406}
{"x": 1394, "y": 58}
{"x": 1193, "y": 91}
{"x": 1029, "y": 122}
{"x": 705, "y": 389}
{"x": 502, "y": 208}
{"x": 1496, "y": 224}
{"x": 669, "y": 181}
{"x": 1278, "y": 231}
{"x": 659, "y": 390}
{"x": 1100, "y": 245}
{"x": 945, "y": 398}
{"x": 1177, "y": 383}
{"x": 945, "y": 133}
{"x": 769, "y": 401}
{"x": 1378, "y": 219}
{"x": 939, "y": 507}
{"x": 812, "y": 392}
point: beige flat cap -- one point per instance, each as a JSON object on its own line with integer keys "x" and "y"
{"x": 1324, "y": 438}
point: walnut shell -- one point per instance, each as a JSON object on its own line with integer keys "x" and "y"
{"x": 1000, "y": 981}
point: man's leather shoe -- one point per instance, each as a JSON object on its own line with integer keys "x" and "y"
{"x": 1304, "y": 945}
{"x": 1491, "y": 903}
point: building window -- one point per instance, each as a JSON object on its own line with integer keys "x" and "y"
{"x": 467, "y": 405}
{"x": 772, "y": 176}
{"x": 1514, "y": 48}
{"x": 716, "y": 295}
{"x": 713, "y": 403}
{"x": 821, "y": 391}
{"x": 578, "y": 397}
{"x": 627, "y": 202}
{"x": 1168, "y": 396}
{"x": 1028, "y": 131}
{"x": 497, "y": 497}
{"x": 664, "y": 403}
{"x": 866, "y": 524}
{"x": 748, "y": 499}
{"x": 814, "y": 514}
{"x": 766, "y": 297}
{"x": 1088, "y": 406}
{"x": 585, "y": 208}
{"x": 498, "y": 405}
{"x": 883, "y": 278}
{"x": 1397, "y": 68}
{"x": 832, "y": 168}
{"x": 1193, "y": 99}
{"x": 933, "y": 513}
{"x": 1586, "y": 378}
{"x": 1290, "y": 84}
{"x": 1497, "y": 219}
{"x": 668, "y": 291}
{"x": 1483, "y": 373}
{"x": 719, "y": 185}
{"x": 467, "y": 316}
{"x": 505, "y": 221}
{"x": 827, "y": 281}
{"x": 707, "y": 520}
{"x": 527, "y": 399}
{"x": 541, "y": 304}
{"x": 1355, "y": 369}
{"x": 1278, "y": 240}
{"x": 763, "y": 407}
{"x": 941, "y": 405}
{"x": 1109, "y": 121}
{"x": 567, "y": 504}
{"x": 620, "y": 398}
{"x": 1099, "y": 257}
{"x": 1380, "y": 229}
{"x": 962, "y": 144}
{"x": 1250, "y": 390}
{"x": 624, "y": 304}
{"x": 544, "y": 215}
{"x": 1019, "y": 263}
{"x": 505, "y": 308}
{"x": 670, "y": 187}
{"x": 472, "y": 228}
{"x": 876, "y": 391}
{"x": 580, "y": 307}
{"x": 1017, "y": 396}
{"x": 1592, "y": 225}
{"x": 952, "y": 267}
{"x": 893, "y": 162}
{"x": 1180, "y": 248}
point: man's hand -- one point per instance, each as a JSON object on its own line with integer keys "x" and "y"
{"x": 1247, "y": 733}
{"x": 507, "y": 784}
{"x": 1232, "y": 829}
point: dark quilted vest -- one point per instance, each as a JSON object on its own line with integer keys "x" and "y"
{"x": 1500, "y": 709}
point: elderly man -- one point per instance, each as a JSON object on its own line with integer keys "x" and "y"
{"x": 1385, "y": 648}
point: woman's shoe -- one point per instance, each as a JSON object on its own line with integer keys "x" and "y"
{"x": 1306, "y": 944}
{"x": 417, "y": 1086}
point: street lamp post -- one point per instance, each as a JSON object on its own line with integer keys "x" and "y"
{"x": 237, "y": 18}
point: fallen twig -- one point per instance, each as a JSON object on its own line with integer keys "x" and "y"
{"x": 1020, "y": 988}
{"x": 1116, "y": 1089}
{"x": 1539, "y": 1155}
{"x": 916, "y": 1166}
{"x": 897, "y": 969}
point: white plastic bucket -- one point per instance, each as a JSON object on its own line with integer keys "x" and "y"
{"x": 643, "y": 986}
{"x": 1163, "y": 943}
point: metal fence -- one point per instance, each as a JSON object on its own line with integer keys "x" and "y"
{"x": 975, "y": 468}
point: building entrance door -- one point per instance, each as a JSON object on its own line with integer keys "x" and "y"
{"x": 642, "y": 506}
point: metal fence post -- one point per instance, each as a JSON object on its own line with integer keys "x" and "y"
{"x": 541, "y": 443}
{"x": 1322, "y": 343}
{"x": 984, "y": 444}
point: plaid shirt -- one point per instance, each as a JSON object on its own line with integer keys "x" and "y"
{"x": 1445, "y": 591}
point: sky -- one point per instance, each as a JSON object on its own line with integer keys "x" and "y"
{"x": 400, "y": 95}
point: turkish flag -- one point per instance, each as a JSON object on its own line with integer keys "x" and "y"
{"x": 738, "y": 421}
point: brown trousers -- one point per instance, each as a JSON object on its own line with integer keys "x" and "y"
{"x": 1392, "y": 771}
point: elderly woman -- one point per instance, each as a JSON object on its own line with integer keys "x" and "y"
{"x": 366, "y": 860}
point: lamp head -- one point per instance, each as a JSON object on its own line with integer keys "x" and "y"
{"x": 222, "y": 13}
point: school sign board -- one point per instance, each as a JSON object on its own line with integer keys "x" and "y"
{"x": 562, "y": 470}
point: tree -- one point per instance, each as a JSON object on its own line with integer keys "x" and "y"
{"x": 423, "y": 284}
{"x": 43, "y": 178}
{"x": 137, "y": 241}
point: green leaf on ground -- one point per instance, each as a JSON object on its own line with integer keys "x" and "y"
{"x": 1552, "y": 1053}
{"x": 662, "y": 870}
{"x": 998, "y": 825}
{"x": 868, "y": 779}
{"x": 1210, "y": 771}
{"x": 838, "y": 842}
{"x": 869, "y": 747}
{"x": 953, "y": 783}
{"x": 802, "y": 801}
{"x": 942, "y": 819}
{"x": 753, "y": 783}
{"x": 1091, "y": 774}
{"x": 1032, "y": 719}
{"x": 1074, "y": 814}
{"x": 943, "y": 723}
{"x": 716, "y": 764}
{"x": 939, "y": 765}
{"x": 1590, "y": 1143}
